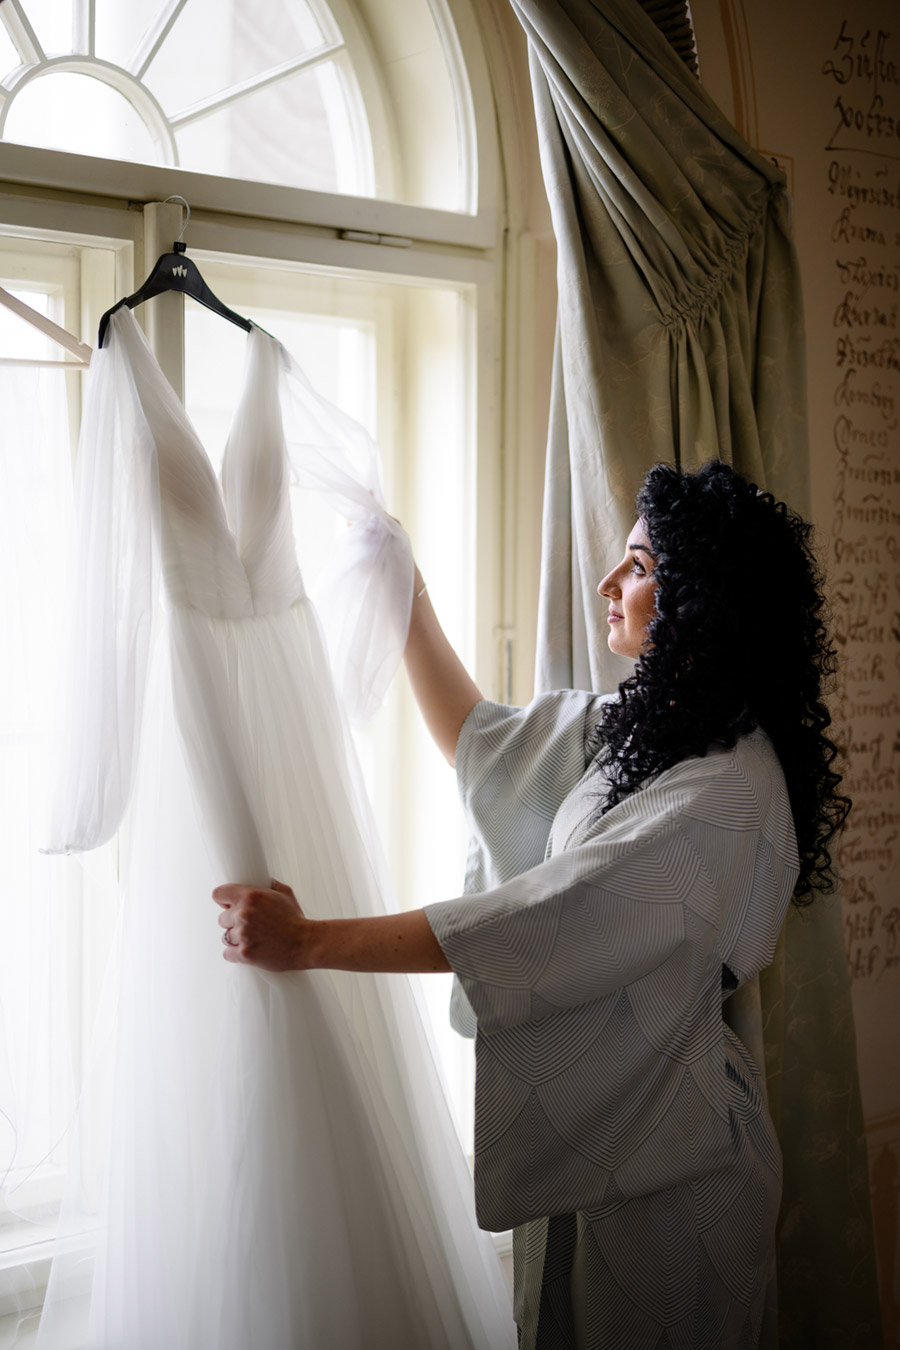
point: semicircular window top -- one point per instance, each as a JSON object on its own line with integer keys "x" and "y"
{"x": 303, "y": 94}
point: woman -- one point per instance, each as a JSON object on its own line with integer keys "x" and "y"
{"x": 633, "y": 858}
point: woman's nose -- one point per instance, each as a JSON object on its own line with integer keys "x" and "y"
{"x": 606, "y": 585}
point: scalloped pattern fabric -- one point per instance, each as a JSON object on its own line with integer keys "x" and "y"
{"x": 620, "y": 1126}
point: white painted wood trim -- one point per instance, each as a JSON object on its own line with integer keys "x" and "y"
{"x": 154, "y": 182}
{"x": 48, "y": 327}
{"x": 163, "y": 318}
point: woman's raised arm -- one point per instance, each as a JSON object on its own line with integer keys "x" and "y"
{"x": 444, "y": 690}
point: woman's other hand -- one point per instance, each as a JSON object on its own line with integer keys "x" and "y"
{"x": 267, "y": 928}
{"x": 264, "y": 927}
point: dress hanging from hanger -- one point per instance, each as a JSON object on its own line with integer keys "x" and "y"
{"x": 262, "y": 1160}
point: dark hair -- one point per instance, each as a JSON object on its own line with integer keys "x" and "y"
{"x": 739, "y": 641}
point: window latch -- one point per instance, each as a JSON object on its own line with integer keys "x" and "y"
{"x": 365, "y": 237}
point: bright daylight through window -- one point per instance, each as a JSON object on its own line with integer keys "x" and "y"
{"x": 190, "y": 84}
{"x": 401, "y": 338}
{"x": 248, "y": 89}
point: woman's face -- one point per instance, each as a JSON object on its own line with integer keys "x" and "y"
{"x": 630, "y": 589}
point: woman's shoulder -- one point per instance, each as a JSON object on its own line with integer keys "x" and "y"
{"x": 541, "y": 749}
{"x": 751, "y": 762}
{"x": 738, "y": 789}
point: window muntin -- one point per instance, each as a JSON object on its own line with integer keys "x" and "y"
{"x": 9, "y": 57}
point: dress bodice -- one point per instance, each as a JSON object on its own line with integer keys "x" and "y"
{"x": 227, "y": 549}
{"x": 150, "y": 509}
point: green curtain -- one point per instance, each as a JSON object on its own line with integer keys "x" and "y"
{"x": 680, "y": 336}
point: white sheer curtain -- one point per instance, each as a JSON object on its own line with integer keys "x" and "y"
{"x": 50, "y": 908}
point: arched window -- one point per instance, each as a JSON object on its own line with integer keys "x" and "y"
{"x": 365, "y": 100}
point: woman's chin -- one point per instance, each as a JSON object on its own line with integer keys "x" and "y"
{"x": 618, "y": 648}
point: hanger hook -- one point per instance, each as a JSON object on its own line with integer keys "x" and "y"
{"x": 187, "y": 219}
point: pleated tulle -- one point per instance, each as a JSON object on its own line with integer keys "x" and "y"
{"x": 265, "y": 1161}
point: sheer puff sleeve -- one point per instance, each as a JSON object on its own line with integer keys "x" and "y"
{"x": 111, "y": 589}
{"x": 365, "y": 597}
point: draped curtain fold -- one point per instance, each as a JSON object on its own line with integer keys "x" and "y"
{"x": 679, "y": 337}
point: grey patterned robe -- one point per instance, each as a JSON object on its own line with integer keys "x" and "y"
{"x": 618, "y": 1121}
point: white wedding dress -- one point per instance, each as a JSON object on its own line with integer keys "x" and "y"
{"x": 262, "y": 1162}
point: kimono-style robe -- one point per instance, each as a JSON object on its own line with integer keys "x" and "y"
{"x": 619, "y": 1124}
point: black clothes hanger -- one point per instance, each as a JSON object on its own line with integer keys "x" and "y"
{"x": 175, "y": 272}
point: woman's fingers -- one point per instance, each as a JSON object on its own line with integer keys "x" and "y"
{"x": 262, "y": 926}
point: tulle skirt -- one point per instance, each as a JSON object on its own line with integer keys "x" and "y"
{"x": 261, "y": 1162}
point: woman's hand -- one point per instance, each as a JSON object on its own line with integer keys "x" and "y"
{"x": 267, "y": 928}
{"x": 264, "y": 927}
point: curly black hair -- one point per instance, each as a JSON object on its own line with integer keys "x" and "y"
{"x": 738, "y": 641}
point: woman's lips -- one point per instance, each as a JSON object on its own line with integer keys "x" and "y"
{"x": 614, "y": 617}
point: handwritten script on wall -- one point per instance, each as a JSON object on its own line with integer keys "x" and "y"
{"x": 862, "y": 157}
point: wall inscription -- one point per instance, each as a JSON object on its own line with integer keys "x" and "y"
{"x": 862, "y": 168}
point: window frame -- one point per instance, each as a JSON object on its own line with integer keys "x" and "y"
{"x": 480, "y": 171}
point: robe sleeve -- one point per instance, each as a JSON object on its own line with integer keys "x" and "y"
{"x": 670, "y": 865}
{"x": 514, "y": 767}
{"x": 111, "y": 590}
{"x": 365, "y": 596}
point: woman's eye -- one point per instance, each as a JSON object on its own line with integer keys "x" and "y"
{"x": 638, "y": 568}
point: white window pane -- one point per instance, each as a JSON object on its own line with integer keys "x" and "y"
{"x": 80, "y": 114}
{"x": 213, "y": 46}
{"x": 238, "y": 141}
{"x": 19, "y": 339}
{"x": 52, "y": 23}
{"x": 336, "y": 354}
{"x": 119, "y": 28}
